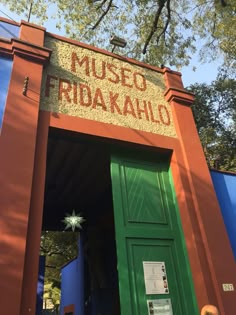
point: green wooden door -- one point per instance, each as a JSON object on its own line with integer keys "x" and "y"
{"x": 148, "y": 231}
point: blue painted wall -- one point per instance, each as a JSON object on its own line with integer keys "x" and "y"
{"x": 225, "y": 187}
{"x": 81, "y": 280}
{"x": 72, "y": 283}
{"x": 8, "y": 30}
{"x": 5, "y": 75}
{"x": 40, "y": 286}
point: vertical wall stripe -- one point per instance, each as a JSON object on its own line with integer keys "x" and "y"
{"x": 224, "y": 184}
{"x": 5, "y": 74}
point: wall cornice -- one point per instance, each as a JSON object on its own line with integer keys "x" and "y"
{"x": 25, "y": 50}
{"x": 179, "y": 96}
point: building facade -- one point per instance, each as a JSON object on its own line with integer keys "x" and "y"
{"x": 83, "y": 128}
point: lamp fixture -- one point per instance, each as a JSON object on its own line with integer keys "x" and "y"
{"x": 117, "y": 41}
{"x": 73, "y": 221}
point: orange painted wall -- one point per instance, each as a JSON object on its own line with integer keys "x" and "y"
{"x": 17, "y": 147}
{"x": 23, "y": 161}
{"x": 214, "y": 263}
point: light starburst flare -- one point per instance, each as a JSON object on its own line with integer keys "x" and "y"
{"x": 73, "y": 221}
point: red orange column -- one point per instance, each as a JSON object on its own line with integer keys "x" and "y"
{"x": 17, "y": 147}
{"x": 30, "y": 278}
{"x": 209, "y": 250}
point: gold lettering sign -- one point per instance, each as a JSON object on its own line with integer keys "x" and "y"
{"x": 84, "y": 83}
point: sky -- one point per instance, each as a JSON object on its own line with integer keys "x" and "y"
{"x": 204, "y": 73}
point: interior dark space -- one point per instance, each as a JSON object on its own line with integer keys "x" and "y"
{"x": 77, "y": 178}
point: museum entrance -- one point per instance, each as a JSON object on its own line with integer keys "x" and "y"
{"x": 125, "y": 196}
{"x": 80, "y": 261}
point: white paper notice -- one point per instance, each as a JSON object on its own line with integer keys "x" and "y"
{"x": 159, "y": 307}
{"x": 155, "y": 277}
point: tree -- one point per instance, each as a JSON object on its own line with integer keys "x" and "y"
{"x": 59, "y": 248}
{"x": 214, "y": 111}
{"x": 159, "y": 31}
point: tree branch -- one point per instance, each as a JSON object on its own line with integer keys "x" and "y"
{"x": 52, "y": 267}
{"x": 223, "y": 3}
{"x": 100, "y": 6}
{"x": 167, "y": 21}
{"x": 161, "y": 6}
{"x": 198, "y": 5}
{"x": 104, "y": 13}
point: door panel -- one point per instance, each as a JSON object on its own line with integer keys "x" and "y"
{"x": 152, "y": 250}
{"x": 148, "y": 228}
{"x": 142, "y": 201}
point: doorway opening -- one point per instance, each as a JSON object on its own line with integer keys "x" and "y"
{"x": 80, "y": 265}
